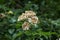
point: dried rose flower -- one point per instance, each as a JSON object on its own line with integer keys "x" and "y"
{"x": 26, "y": 15}
{"x": 22, "y": 17}
{"x": 33, "y": 20}
{"x": 25, "y": 26}
{"x": 2, "y": 15}
{"x": 30, "y": 13}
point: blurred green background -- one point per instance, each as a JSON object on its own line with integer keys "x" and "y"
{"x": 48, "y": 12}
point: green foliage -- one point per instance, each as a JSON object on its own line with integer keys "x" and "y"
{"x": 48, "y": 12}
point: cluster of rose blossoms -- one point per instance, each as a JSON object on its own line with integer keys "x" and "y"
{"x": 31, "y": 19}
